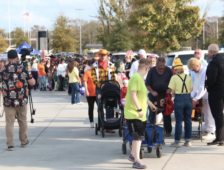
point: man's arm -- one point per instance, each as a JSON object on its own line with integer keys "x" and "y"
{"x": 31, "y": 82}
{"x": 201, "y": 91}
{"x": 132, "y": 70}
{"x": 94, "y": 78}
{"x": 154, "y": 93}
{"x": 212, "y": 72}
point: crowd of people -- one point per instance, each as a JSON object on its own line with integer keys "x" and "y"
{"x": 144, "y": 82}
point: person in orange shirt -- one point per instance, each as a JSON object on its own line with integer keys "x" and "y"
{"x": 42, "y": 75}
{"x": 89, "y": 91}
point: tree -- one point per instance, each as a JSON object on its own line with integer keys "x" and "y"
{"x": 163, "y": 26}
{"x": 221, "y": 37}
{"x": 119, "y": 39}
{"x": 19, "y": 37}
{"x": 63, "y": 37}
{"x": 3, "y": 43}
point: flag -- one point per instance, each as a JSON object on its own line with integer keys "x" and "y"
{"x": 26, "y": 16}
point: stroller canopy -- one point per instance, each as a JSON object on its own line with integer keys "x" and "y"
{"x": 111, "y": 90}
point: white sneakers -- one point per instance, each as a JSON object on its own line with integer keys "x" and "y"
{"x": 80, "y": 103}
{"x": 92, "y": 124}
{"x": 208, "y": 136}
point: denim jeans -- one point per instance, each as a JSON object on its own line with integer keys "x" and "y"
{"x": 75, "y": 93}
{"x": 183, "y": 107}
{"x": 109, "y": 111}
{"x": 166, "y": 119}
{"x": 40, "y": 81}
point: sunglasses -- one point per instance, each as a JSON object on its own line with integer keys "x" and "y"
{"x": 196, "y": 52}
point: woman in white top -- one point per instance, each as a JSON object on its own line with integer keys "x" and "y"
{"x": 34, "y": 71}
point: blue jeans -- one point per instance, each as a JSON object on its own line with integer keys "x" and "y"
{"x": 167, "y": 122}
{"x": 40, "y": 81}
{"x": 109, "y": 111}
{"x": 75, "y": 93}
{"x": 183, "y": 107}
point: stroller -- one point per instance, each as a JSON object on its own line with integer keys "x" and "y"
{"x": 110, "y": 99}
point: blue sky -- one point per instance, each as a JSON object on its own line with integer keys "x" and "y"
{"x": 43, "y": 12}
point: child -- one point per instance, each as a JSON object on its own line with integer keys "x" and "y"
{"x": 50, "y": 78}
{"x": 124, "y": 88}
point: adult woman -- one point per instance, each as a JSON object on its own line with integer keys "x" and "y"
{"x": 74, "y": 80}
{"x": 152, "y": 59}
{"x": 128, "y": 59}
{"x": 47, "y": 66}
{"x": 135, "y": 110}
{"x": 182, "y": 86}
{"x": 89, "y": 91}
{"x": 34, "y": 71}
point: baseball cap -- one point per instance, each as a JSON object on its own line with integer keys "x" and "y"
{"x": 12, "y": 54}
{"x": 142, "y": 52}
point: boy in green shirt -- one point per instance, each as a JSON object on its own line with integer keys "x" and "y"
{"x": 135, "y": 111}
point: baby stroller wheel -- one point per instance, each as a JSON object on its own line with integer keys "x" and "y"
{"x": 120, "y": 132}
{"x": 124, "y": 148}
{"x": 103, "y": 133}
{"x": 96, "y": 129}
{"x": 149, "y": 149}
{"x": 159, "y": 152}
{"x": 141, "y": 153}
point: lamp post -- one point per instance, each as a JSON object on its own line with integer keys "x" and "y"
{"x": 80, "y": 30}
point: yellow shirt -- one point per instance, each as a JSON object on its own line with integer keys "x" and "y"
{"x": 176, "y": 84}
{"x": 73, "y": 75}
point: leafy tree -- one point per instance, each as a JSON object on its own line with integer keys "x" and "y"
{"x": 63, "y": 38}
{"x": 3, "y": 43}
{"x": 19, "y": 37}
{"x": 221, "y": 36}
{"x": 119, "y": 39}
{"x": 163, "y": 25}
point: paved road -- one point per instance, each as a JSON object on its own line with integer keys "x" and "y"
{"x": 61, "y": 139}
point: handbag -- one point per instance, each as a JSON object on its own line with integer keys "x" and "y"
{"x": 160, "y": 102}
{"x": 169, "y": 105}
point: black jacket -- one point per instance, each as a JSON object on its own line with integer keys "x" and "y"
{"x": 215, "y": 74}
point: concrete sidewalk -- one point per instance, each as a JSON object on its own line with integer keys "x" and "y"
{"x": 61, "y": 139}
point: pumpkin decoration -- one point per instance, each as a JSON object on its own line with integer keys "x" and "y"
{"x": 19, "y": 84}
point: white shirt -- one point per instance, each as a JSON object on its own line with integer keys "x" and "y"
{"x": 199, "y": 90}
{"x": 134, "y": 69}
{"x": 62, "y": 69}
{"x": 34, "y": 67}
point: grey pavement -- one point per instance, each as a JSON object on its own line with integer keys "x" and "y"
{"x": 61, "y": 139}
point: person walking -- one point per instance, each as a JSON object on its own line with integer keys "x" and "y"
{"x": 135, "y": 111}
{"x": 34, "y": 71}
{"x": 157, "y": 82}
{"x": 61, "y": 73}
{"x": 74, "y": 80}
{"x": 182, "y": 86}
{"x": 215, "y": 87}
{"x": 102, "y": 70}
{"x": 50, "y": 78}
{"x": 128, "y": 58}
{"x": 200, "y": 92}
{"x": 42, "y": 75}
{"x": 89, "y": 91}
{"x": 15, "y": 79}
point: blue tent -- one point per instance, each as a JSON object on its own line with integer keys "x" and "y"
{"x": 25, "y": 45}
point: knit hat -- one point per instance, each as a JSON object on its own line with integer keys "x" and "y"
{"x": 177, "y": 64}
{"x": 125, "y": 80}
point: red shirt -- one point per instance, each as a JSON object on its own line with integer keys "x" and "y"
{"x": 123, "y": 92}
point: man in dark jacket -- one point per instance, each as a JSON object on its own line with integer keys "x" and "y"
{"x": 215, "y": 87}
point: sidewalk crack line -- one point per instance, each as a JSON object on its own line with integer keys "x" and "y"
{"x": 169, "y": 159}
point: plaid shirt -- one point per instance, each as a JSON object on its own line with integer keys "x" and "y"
{"x": 103, "y": 75}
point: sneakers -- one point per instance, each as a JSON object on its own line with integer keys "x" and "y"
{"x": 25, "y": 145}
{"x": 215, "y": 143}
{"x": 80, "y": 103}
{"x": 175, "y": 144}
{"x": 187, "y": 144}
{"x": 92, "y": 124}
{"x": 208, "y": 136}
{"x": 131, "y": 158}
{"x": 168, "y": 134}
{"x": 139, "y": 165}
{"x": 11, "y": 148}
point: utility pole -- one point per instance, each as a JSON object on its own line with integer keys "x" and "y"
{"x": 203, "y": 35}
{"x": 80, "y": 30}
{"x": 217, "y": 28}
{"x": 9, "y": 26}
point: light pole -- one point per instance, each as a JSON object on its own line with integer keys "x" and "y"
{"x": 80, "y": 30}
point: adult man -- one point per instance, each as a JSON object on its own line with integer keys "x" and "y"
{"x": 102, "y": 70}
{"x": 199, "y": 92}
{"x": 215, "y": 88}
{"x": 119, "y": 65}
{"x": 134, "y": 67}
{"x": 42, "y": 75}
{"x": 14, "y": 80}
{"x": 198, "y": 55}
{"x": 61, "y": 74}
{"x": 157, "y": 82}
